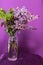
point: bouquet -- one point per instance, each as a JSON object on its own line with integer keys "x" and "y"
{"x": 15, "y": 19}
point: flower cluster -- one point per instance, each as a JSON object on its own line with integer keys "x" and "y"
{"x": 15, "y": 19}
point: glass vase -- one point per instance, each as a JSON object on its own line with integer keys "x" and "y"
{"x": 12, "y": 49}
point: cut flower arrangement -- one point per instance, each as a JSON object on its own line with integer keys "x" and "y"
{"x": 13, "y": 21}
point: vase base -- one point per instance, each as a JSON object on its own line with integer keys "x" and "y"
{"x": 12, "y": 59}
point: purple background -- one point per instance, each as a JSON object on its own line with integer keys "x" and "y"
{"x": 36, "y": 37}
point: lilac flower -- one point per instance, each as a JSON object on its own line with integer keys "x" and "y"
{"x": 19, "y": 17}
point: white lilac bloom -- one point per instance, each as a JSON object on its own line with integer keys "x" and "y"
{"x": 12, "y": 26}
{"x": 23, "y": 11}
{"x": 33, "y": 17}
{"x": 16, "y": 23}
{"x": 16, "y": 12}
{"x": 24, "y": 14}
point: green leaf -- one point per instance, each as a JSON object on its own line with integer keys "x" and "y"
{"x": 2, "y": 13}
{"x": 9, "y": 29}
{"x": 11, "y": 11}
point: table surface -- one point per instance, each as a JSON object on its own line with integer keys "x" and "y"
{"x": 5, "y": 61}
{"x": 24, "y": 58}
{"x": 27, "y": 60}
